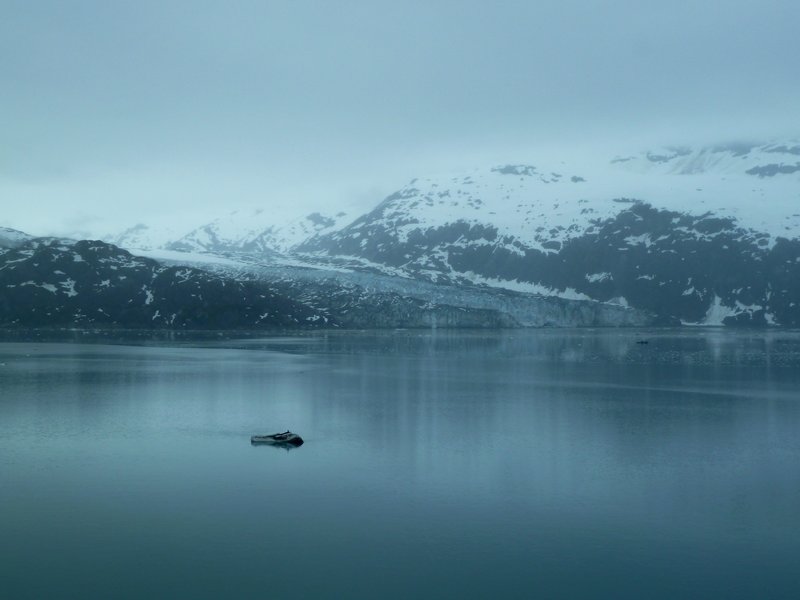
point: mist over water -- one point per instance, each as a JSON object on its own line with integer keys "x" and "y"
{"x": 514, "y": 464}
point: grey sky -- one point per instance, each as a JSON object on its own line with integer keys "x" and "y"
{"x": 116, "y": 112}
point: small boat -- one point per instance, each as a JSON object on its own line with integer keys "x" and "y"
{"x": 285, "y": 439}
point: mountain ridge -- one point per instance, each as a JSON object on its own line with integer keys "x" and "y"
{"x": 699, "y": 236}
{"x": 731, "y": 180}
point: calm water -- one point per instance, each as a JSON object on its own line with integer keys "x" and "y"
{"x": 448, "y": 465}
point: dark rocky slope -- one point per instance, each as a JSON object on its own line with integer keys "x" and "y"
{"x": 58, "y": 283}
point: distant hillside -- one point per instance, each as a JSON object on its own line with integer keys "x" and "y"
{"x": 47, "y": 283}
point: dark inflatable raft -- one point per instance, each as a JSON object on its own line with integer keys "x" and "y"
{"x": 286, "y": 439}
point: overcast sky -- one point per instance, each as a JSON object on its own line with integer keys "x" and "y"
{"x": 117, "y": 112}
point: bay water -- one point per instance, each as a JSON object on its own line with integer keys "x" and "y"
{"x": 436, "y": 464}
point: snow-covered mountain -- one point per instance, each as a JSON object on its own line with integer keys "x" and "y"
{"x": 540, "y": 206}
{"x": 758, "y": 185}
{"x": 252, "y": 231}
{"x": 706, "y": 236}
{"x": 256, "y": 231}
{"x": 11, "y": 238}
{"x": 146, "y": 237}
